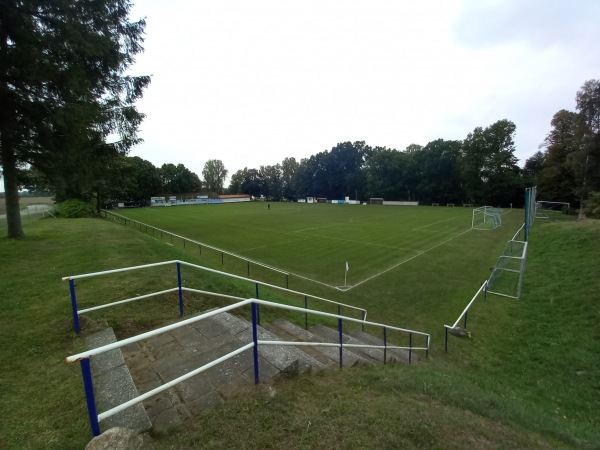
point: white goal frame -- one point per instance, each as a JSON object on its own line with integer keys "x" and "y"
{"x": 486, "y": 218}
{"x": 542, "y": 213}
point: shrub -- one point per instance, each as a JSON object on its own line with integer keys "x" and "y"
{"x": 591, "y": 207}
{"x": 75, "y": 208}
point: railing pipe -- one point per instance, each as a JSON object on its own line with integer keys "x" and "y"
{"x": 306, "y": 313}
{"x": 341, "y": 339}
{"x": 149, "y": 334}
{"x": 124, "y": 269}
{"x": 89, "y": 396}
{"x": 170, "y": 384}
{"x": 74, "y": 306}
{"x": 255, "y": 342}
{"x": 127, "y": 300}
{"x": 179, "y": 288}
{"x": 238, "y": 277}
{"x": 469, "y": 304}
{"x": 384, "y": 345}
{"x": 257, "y": 306}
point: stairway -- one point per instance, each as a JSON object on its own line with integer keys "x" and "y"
{"x": 160, "y": 359}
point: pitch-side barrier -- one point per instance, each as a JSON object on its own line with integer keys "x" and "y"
{"x": 181, "y": 289}
{"x": 84, "y": 357}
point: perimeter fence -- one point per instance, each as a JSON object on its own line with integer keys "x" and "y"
{"x": 235, "y": 263}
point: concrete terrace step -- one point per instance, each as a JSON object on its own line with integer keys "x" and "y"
{"x": 393, "y": 355}
{"x": 158, "y": 360}
{"x": 364, "y": 356}
{"x": 321, "y": 333}
{"x": 162, "y": 358}
{"x": 114, "y": 385}
{"x": 286, "y": 359}
{"x": 290, "y": 332}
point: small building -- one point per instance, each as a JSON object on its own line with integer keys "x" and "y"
{"x": 234, "y": 198}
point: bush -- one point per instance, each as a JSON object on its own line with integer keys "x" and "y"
{"x": 75, "y": 208}
{"x": 591, "y": 207}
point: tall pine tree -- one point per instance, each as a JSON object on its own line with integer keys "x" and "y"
{"x": 63, "y": 90}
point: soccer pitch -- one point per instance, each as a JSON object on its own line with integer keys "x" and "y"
{"x": 314, "y": 241}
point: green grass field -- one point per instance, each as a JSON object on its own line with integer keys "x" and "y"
{"x": 315, "y": 241}
{"x": 527, "y": 379}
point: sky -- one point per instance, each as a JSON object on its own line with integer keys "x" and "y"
{"x": 251, "y": 82}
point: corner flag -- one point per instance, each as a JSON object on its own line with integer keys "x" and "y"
{"x": 346, "y": 272}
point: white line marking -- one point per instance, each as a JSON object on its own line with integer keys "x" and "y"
{"x": 410, "y": 259}
{"x": 347, "y": 288}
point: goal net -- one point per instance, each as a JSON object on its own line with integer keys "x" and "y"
{"x": 544, "y": 209}
{"x": 486, "y": 218}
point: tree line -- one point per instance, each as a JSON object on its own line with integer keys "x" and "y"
{"x": 68, "y": 120}
{"x": 568, "y": 167}
{"x": 481, "y": 169}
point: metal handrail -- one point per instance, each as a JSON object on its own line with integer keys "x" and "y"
{"x": 83, "y": 357}
{"x": 182, "y": 288}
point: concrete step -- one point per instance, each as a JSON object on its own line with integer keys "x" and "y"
{"x": 393, "y": 355}
{"x": 288, "y": 360}
{"x": 349, "y": 359}
{"x": 290, "y": 332}
{"x": 114, "y": 385}
{"x": 363, "y": 356}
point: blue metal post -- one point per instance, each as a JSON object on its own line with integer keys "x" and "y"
{"x": 255, "y": 340}
{"x": 384, "y": 345}
{"x": 180, "y": 290}
{"x": 306, "y": 313}
{"x": 257, "y": 307}
{"x": 89, "y": 396}
{"x": 409, "y": 347}
{"x": 340, "y": 328}
{"x": 74, "y": 306}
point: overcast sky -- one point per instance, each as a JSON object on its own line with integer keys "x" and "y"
{"x": 251, "y": 82}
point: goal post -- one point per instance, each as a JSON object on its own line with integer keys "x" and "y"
{"x": 544, "y": 208}
{"x": 486, "y": 218}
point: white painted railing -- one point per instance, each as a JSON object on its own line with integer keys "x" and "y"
{"x": 83, "y": 357}
{"x": 180, "y": 289}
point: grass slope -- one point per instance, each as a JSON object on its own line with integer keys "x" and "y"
{"x": 528, "y": 378}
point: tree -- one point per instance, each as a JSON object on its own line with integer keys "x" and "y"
{"x": 488, "y": 165}
{"x": 557, "y": 179}
{"x": 235, "y": 185}
{"x": 178, "y": 179}
{"x": 214, "y": 174}
{"x": 62, "y": 88}
{"x": 588, "y": 158}
{"x": 289, "y": 167}
{"x": 143, "y": 180}
{"x": 272, "y": 184}
{"x": 253, "y": 183}
{"x": 439, "y": 179}
{"x": 384, "y": 173}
